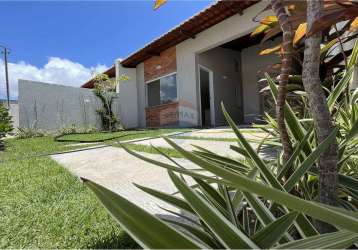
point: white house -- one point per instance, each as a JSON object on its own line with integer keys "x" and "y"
{"x": 181, "y": 78}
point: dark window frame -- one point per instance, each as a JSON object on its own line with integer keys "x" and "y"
{"x": 147, "y": 83}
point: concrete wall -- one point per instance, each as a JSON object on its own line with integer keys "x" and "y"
{"x": 141, "y": 96}
{"x": 354, "y": 83}
{"x": 226, "y": 73}
{"x": 354, "y": 80}
{"x": 128, "y": 96}
{"x": 187, "y": 88}
{"x": 253, "y": 66}
{"x": 225, "y": 31}
{"x": 14, "y": 112}
{"x": 52, "y": 107}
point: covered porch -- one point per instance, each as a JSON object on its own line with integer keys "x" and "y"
{"x": 230, "y": 74}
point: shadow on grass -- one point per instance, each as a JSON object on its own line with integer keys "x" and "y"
{"x": 123, "y": 241}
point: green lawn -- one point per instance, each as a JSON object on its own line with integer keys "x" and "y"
{"x": 119, "y": 136}
{"x": 204, "y": 138}
{"x": 43, "y": 206}
{"x": 149, "y": 149}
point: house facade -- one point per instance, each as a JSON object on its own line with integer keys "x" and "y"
{"x": 181, "y": 78}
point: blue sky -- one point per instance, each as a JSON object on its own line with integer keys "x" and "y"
{"x": 87, "y": 35}
{"x": 86, "y": 32}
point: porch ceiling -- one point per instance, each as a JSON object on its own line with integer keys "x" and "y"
{"x": 243, "y": 42}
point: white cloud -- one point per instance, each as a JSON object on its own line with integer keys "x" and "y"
{"x": 56, "y": 70}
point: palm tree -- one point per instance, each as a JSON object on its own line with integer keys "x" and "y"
{"x": 328, "y": 172}
{"x": 286, "y": 62}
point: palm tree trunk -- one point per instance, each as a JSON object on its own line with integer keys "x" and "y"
{"x": 328, "y": 173}
{"x": 286, "y": 62}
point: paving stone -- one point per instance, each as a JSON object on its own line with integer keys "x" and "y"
{"x": 223, "y": 133}
{"x": 219, "y": 147}
{"x": 117, "y": 170}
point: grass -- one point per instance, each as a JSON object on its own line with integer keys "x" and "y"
{"x": 25, "y": 148}
{"x": 119, "y": 136}
{"x": 243, "y": 130}
{"x": 256, "y": 137}
{"x": 204, "y": 138}
{"x": 44, "y": 206}
{"x": 149, "y": 149}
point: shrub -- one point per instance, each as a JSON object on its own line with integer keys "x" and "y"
{"x": 5, "y": 124}
{"x": 24, "y": 133}
{"x": 75, "y": 130}
{"x": 105, "y": 91}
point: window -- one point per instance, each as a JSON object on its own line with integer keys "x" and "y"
{"x": 162, "y": 91}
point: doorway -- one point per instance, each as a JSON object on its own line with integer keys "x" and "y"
{"x": 206, "y": 97}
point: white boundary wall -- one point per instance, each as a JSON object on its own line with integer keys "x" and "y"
{"x": 52, "y": 107}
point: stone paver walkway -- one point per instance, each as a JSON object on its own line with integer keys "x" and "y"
{"x": 224, "y": 133}
{"x": 117, "y": 170}
{"x": 210, "y": 133}
{"x": 217, "y": 146}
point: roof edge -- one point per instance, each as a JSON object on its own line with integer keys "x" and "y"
{"x": 210, "y": 16}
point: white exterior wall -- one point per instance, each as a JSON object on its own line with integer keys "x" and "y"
{"x": 225, "y": 64}
{"x": 141, "y": 95}
{"x": 225, "y": 31}
{"x": 14, "y": 113}
{"x": 252, "y": 64}
{"x": 187, "y": 88}
{"x": 128, "y": 96}
{"x": 354, "y": 80}
{"x": 354, "y": 84}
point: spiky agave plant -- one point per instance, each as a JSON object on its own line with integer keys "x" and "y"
{"x": 245, "y": 202}
{"x": 345, "y": 116}
{"x": 235, "y": 203}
